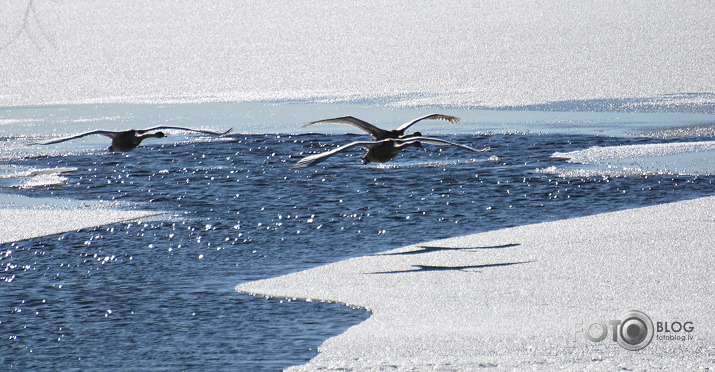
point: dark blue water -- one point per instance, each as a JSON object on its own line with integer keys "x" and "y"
{"x": 159, "y": 294}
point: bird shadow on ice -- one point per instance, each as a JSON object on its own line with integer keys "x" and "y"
{"x": 470, "y": 268}
{"x": 428, "y": 249}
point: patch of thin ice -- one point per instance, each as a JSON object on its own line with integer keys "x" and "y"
{"x": 682, "y": 158}
{"x": 37, "y": 172}
{"x": 21, "y": 224}
{"x": 30, "y": 178}
{"x": 596, "y": 172}
{"x": 692, "y": 131}
{"x": 44, "y": 180}
{"x": 596, "y": 154}
{"x": 24, "y": 218}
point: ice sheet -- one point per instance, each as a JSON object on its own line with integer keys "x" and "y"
{"x": 515, "y": 298}
{"x": 25, "y": 218}
{"x": 682, "y": 158}
{"x": 24, "y": 177}
{"x": 596, "y": 154}
{"x": 455, "y": 52}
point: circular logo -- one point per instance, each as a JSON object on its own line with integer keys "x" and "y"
{"x": 636, "y": 330}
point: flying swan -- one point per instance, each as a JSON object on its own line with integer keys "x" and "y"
{"x": 381, "y": 134}
{"x": 128, "y": 140}
{"x": 380, "y": 151}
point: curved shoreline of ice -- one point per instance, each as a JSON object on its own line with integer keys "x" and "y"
{"x": 469, "y": 305}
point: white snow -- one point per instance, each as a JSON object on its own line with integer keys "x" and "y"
{"x": 25, "y": 218}
{"x": 490, "y": 53}
{"x": 683, "y": 158}
{"x": 29, "y": 178}
{"x": 596, "y": 153}
{"x": 21, "y": 223}
{"x": 450, "y": 310}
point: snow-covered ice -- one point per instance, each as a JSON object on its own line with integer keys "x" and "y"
{"x": 22, "y": 223}
{"x": 682, "y": 158}
{"x": 596, "y": 154}
{"x": 25, "y": 218}
{"x": 455, "y": 52}
{"x": 521, "y": 297}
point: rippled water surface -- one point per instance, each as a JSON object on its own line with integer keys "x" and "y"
{"x": 158, "y": 294}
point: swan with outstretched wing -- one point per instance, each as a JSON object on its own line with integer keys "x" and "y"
{"x": 128, "y": 140}
{"x": 380, "y": 134}
{"x": 381, "y": 151}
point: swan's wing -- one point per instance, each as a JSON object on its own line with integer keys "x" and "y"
{"x": 107, "y": 133}
{"x": 317, "y": 158}
{"x": 438, "y": 142}
{"x": 374, "y": 131}
{"x": 451, "y": 119}
{"x": 217, "y": 133}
